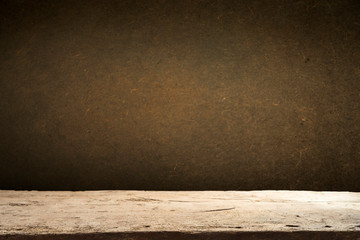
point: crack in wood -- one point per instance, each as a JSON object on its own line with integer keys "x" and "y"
{"x": 217, "y": 210}
{"x": 291, "y": 225}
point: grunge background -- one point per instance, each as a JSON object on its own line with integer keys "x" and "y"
{"x": 180, "y": 95}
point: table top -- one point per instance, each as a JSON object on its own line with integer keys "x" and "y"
{"x": 66, "y": 212}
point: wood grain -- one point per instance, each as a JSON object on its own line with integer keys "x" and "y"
{"x": 88, "y": 212}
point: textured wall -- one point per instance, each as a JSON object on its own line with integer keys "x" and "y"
{"x": 180, "y": 95}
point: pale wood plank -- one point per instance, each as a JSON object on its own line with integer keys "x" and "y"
{"x": 35, "y": 212}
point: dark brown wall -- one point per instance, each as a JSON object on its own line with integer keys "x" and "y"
{"x": 180, "y": 95}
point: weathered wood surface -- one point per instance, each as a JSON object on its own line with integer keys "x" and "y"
{"x": 34, "y": 212}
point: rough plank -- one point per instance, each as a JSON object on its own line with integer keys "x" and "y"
{"x": 88, "y": 212}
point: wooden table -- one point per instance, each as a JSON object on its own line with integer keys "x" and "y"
{"x": 179, "y": 215}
